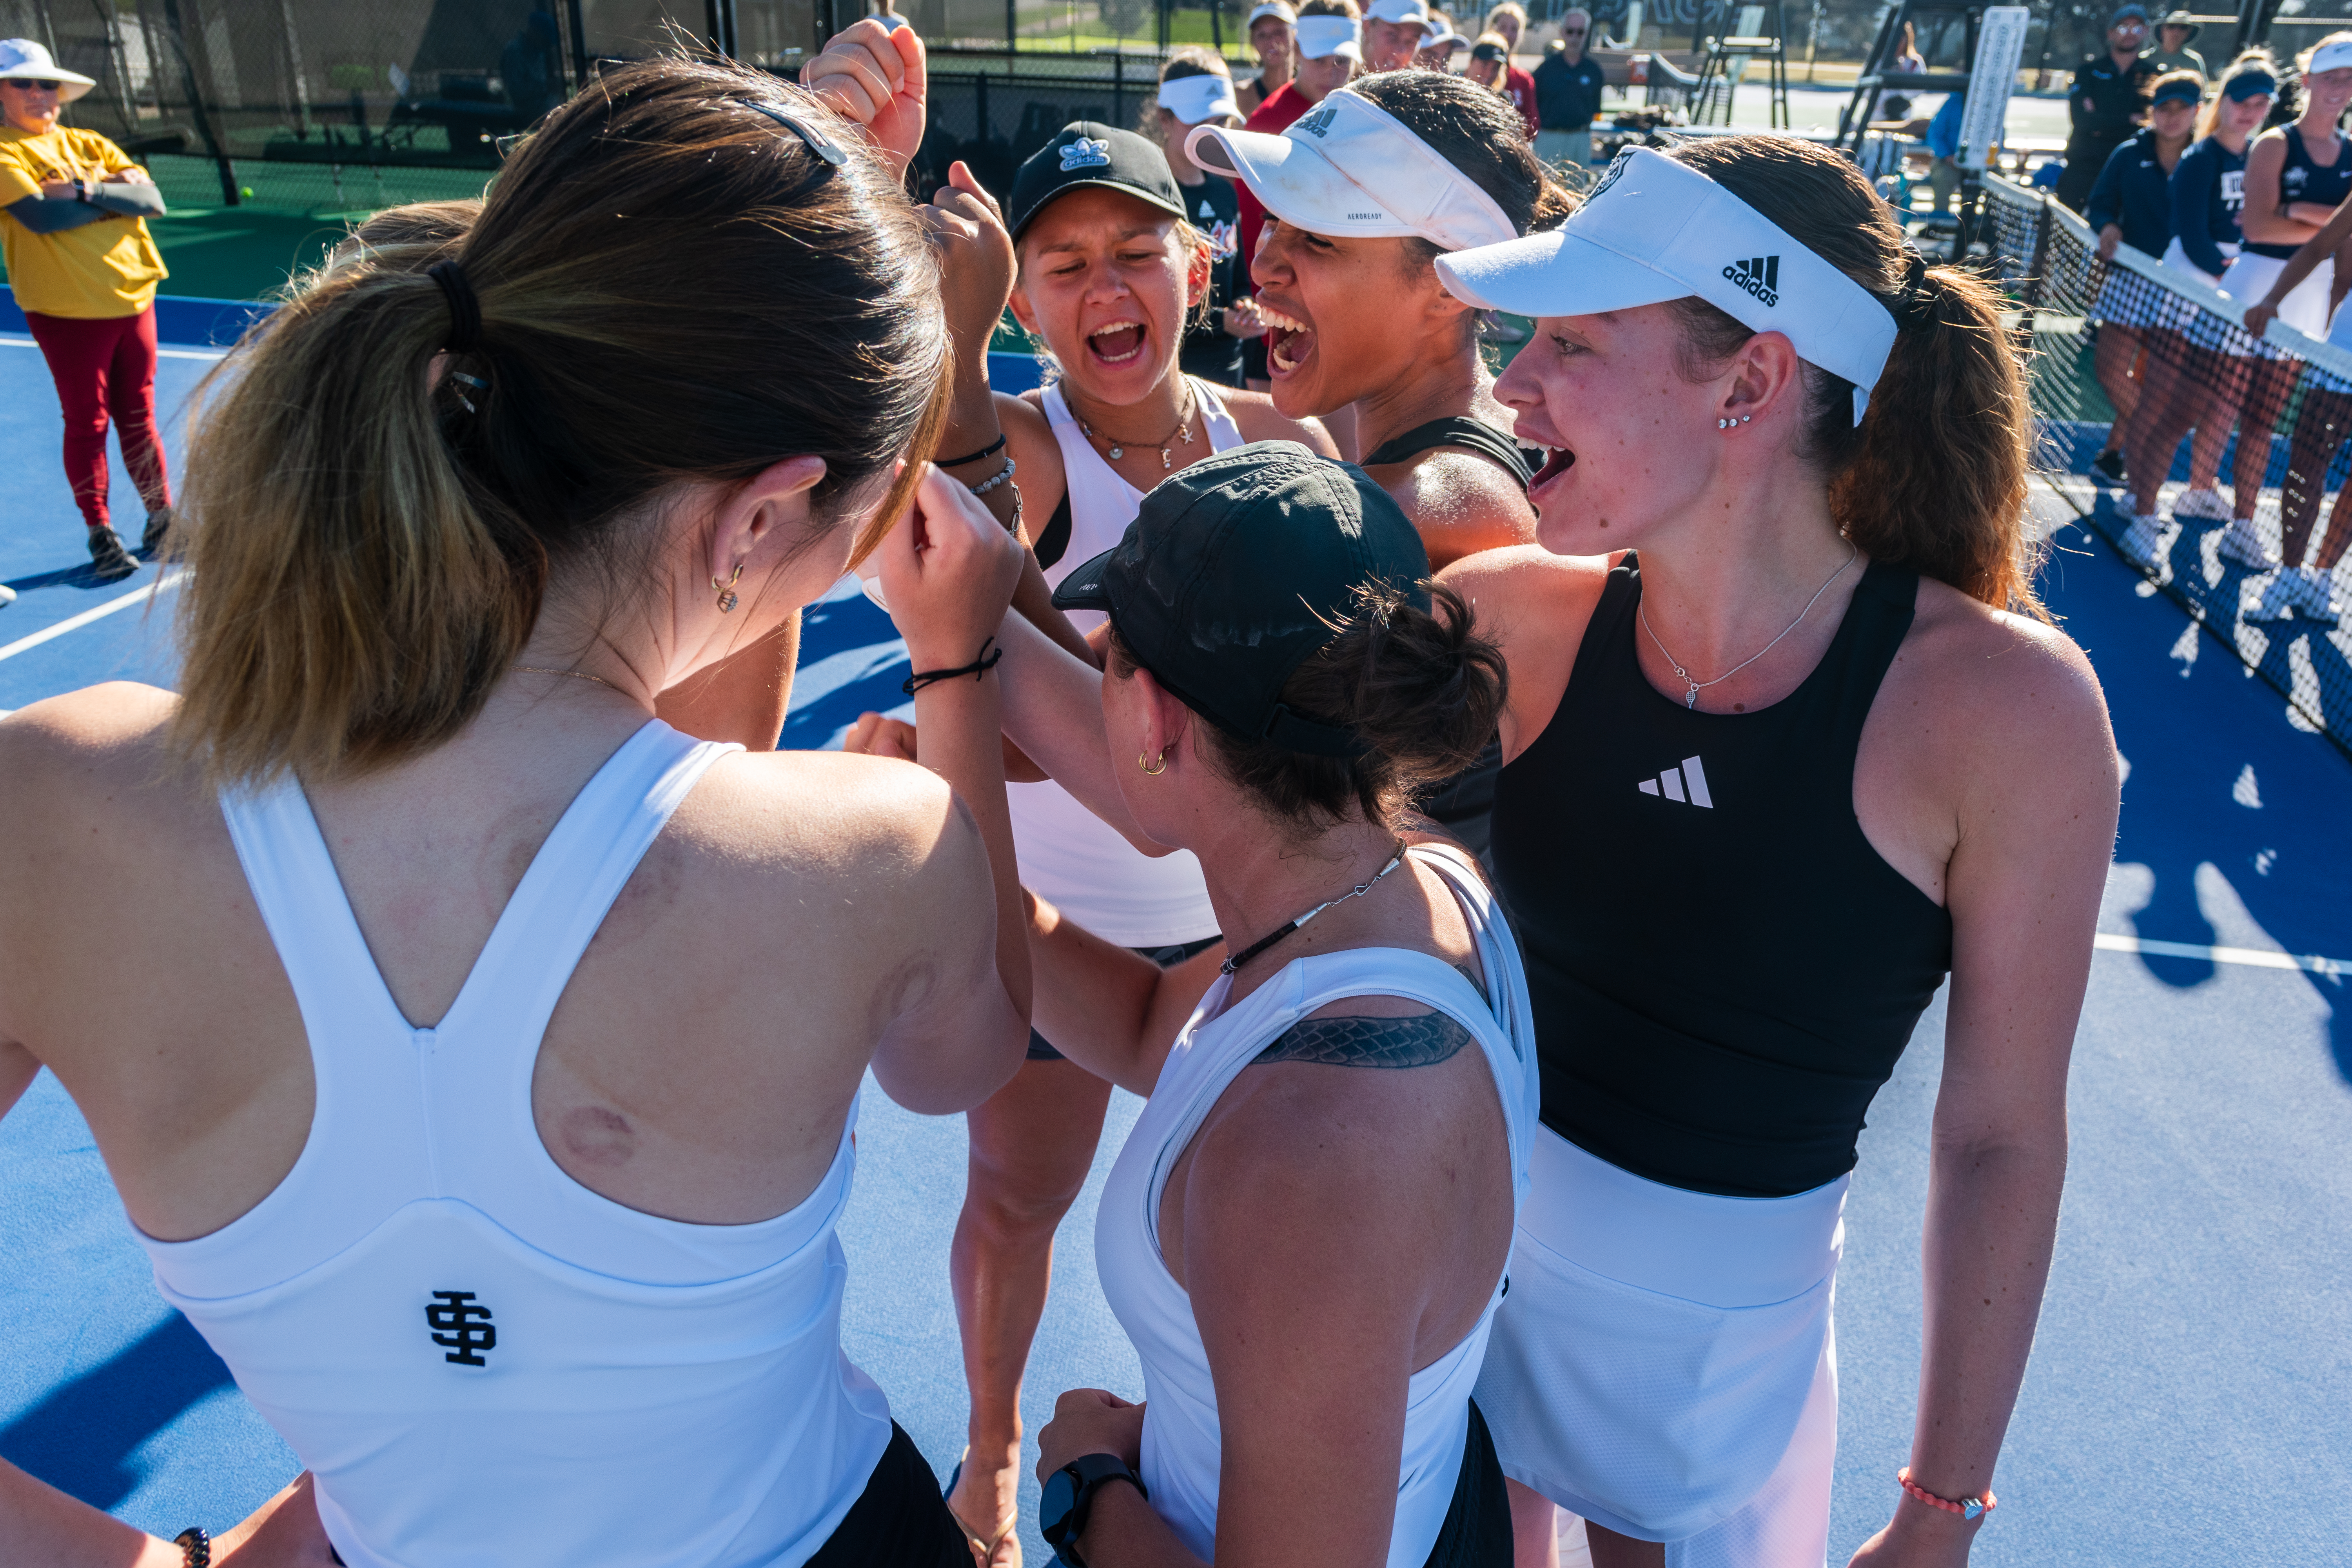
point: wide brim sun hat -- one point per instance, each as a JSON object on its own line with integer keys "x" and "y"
{"x": 24, "y": 59}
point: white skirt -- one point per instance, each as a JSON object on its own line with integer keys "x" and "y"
{"x": 2305, "y": 309}
{"x": 1663, "y": 1363}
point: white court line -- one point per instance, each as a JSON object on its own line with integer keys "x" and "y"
{"x": 20, "y": 340}
{"x": 2250, "y": 957}
{"x": 74, "y": 623}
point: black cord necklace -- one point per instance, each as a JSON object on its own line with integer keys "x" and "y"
{"x": 1357, "y": 891}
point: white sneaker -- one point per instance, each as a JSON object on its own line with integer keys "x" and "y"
{"x": 2243, "y": 543}
{"x": 2315, "y": 594}
{"x": 2141, "y": 542}
{"x": 2279, "y": 597}
{"x": 2208, "y": 504}
{"x": 7, "y": 594}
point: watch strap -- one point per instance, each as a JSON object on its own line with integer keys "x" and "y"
{"x": 1090, "y": 1473}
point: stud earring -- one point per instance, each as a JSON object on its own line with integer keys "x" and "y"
{"x": 1156, "y": 766}
{"x": 1723, "y": 424}
{"x": 726, "y": 590}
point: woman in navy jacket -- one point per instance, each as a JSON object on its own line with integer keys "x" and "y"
{"x": 2131, "y": 205}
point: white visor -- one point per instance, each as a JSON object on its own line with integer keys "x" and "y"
{"x": 2330, "y": 57}
{"x": 1349, "y": 168}
{"x": 1654, "y": 230}
{"x": 1271, "y": 8}
{"x": 1444, "y": 38}
{"x": 1322, "y": 37}
{"x": 1397, "y": 11}
{"x": 1192, "y": 98}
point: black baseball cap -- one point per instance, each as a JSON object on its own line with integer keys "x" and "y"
{"x": 1235, "y": 571}
{"x": 1087, "y": 153}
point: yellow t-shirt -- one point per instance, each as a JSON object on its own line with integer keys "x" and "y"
{"x": 95, "y": 272}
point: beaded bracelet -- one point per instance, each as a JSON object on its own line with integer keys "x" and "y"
{"x": 195, "y": 1548}
{"x": 1002, "y": 476}
{"x": 1967, "y": 1508}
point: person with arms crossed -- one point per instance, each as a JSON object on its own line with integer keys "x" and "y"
{"x": 2107, "y": 99}
{"x": 1781, "y": 685}
{"x": 485, "y": 1092}
{"x": 84, "y": 269}
{"x": 1568, "y": 95}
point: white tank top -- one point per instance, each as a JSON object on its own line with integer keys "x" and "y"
{"x": 1181, "y": 1441}
{"x": 483, "y": 1362}
{"x": 1068, "y": 854}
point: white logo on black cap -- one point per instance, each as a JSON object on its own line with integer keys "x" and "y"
{"x": 1759, "y": 275}
{"x": 1085, "y": 153}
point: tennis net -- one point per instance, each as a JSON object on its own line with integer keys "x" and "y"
{"x": 2232, "y": 450}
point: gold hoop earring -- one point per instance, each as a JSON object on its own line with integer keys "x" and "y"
{"x": 726, "y": 590}
{"x": 1156, "y": 766}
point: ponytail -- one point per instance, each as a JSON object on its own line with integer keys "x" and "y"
{"x": 1935, "y": 476}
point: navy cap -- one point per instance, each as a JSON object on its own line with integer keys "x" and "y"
{"x": 1235, "y": 571}
{"x": 1085, "y": 153}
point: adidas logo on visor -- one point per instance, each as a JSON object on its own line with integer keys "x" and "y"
{"x": 1320, "y": 123}
{"x": 1085, "y": 153}
{"x": 1687, "y": 783}
{"x": 1759, "y": 275}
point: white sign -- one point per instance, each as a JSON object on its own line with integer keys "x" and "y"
{"x": 2001, "y": 45}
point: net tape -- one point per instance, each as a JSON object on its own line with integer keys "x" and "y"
{"x": 2215, "y": 424}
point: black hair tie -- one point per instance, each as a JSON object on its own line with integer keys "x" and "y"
{"x": 1914, "y": 305}
{"x": 465, "y": 311}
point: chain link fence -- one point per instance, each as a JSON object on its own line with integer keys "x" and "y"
{"x": 2231, "y": 451}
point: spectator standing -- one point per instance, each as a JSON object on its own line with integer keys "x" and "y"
{"x": 1509, "y": 22}
{"x": 1272, "y": 35}
{"x": 1330, "y": 46}
{"x": 1568, "y": 94}
{"x": 1943, "y": 140}
{"x": 2105, "y": 102}
{"x": 1439, "y": 47}
{"x": 1194, "y": 90}
{"x": 2132, "y": 205}
{"x": 84, "y": 269}
{"x": 2172, "y": 52}
{"x": 1490, "y": 60}
{"x": 1909, "y": 61}
{"x": 1394, "y": 32}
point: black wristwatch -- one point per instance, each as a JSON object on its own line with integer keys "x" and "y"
{"x": 1070, "y": 1493}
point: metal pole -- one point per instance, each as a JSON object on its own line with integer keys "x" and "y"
{"x": 579, "y": 25}
{"x": 194, "y": 63}
{"x": 1011, "y": 26}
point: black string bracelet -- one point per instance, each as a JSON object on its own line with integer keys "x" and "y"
{"x": 976, "y": 668}
{"x": 988, "y": 451}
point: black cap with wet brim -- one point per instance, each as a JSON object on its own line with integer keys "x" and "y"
{"x": 1234, "y": 573}
{"x": 1087, "y": 152}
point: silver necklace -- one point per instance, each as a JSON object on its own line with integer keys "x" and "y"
{"x": 1357, "y": 891}
{"x": 1690, "y": 697}
{"x": 1184, "y": 428}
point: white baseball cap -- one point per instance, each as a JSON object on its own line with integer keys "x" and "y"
{"x": 23, "y": 59}
{"x": 1322, "y": 37}
{"x": 1397, "y": 11}
{"x": 1654, "y": 229}
{"x": 1192, "y": 98}
{"x": 2329, "y": 57}
{"x": 1270, "y": 8}
{"x": 1349, "y": 168}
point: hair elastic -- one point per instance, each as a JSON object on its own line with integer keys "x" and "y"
{"x": 465, "y": 310}
{"x": 824, "y": 146}
{"x": 1915, "y": 306}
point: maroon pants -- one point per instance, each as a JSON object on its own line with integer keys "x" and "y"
{"x": 105, "y": 368}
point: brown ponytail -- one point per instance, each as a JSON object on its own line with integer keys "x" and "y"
{"x": 673, "y": 287}
{"x": 1935, "y": 476}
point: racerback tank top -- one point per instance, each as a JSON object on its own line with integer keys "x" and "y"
{"x": 2301, "y": 180}
{"x": 1723, "y": 968}
{"x": 1182, "y": 1445}
{"x": 483, "y": 1362}
{"x": 1070, "y": 855}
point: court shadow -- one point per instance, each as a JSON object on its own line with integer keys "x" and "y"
{"x": 82, "y": 1436}
{"x": 82, "y": 576}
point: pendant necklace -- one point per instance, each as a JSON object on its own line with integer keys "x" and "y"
{"x": 1690, "y": 697}
{"x": 1184, "y": 428}
{"x": 1357, "y": 891}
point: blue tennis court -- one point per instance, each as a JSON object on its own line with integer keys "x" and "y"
{"x": 2191, "y": 1394}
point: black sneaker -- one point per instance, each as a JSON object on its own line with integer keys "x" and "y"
{"x": 159, "y": 529}
{"x": 107, "y": 559}
{"x": 2111, "y": 464}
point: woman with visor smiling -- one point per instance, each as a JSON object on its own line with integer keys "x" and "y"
{"x": 1790, "y": 741}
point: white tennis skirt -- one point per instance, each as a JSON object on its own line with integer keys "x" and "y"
{"x": 1662, "y": 1362}
{"x": 2305, "y": 309}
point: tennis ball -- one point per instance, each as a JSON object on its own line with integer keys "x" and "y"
{"x": 246, "y": 191}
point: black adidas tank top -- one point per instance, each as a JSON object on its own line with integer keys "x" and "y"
{"x": 1724, "y": 969}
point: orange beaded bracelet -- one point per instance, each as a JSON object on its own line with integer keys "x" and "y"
{"x": 1967, "y": 1508}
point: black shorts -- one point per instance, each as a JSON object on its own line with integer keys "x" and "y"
{"x": 1165, "y": 957}
{"x": 1477, "y": 1528}
{"x": 900, "y": 1521}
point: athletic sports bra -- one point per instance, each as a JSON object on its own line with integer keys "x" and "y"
{"x": 1182, "y": 1446}
{"x": 483, "y": 1362}
{"x": 1723, "y": 968}
{"x": 1067, "y": 854}
{"x": 1457, "y": 430}
{"x": 2301, "y": 180}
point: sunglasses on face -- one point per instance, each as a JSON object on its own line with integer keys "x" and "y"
{"x": 1571, "y": 32}
{"x": 34, "y": 86}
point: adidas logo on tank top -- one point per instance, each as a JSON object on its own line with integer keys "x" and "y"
{"x": 1687, "y": 783}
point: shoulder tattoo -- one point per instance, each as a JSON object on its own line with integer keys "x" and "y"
{"x": 1420, "y": 1042}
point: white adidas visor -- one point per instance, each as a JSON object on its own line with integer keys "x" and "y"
{"x": 2330, "y": 57}
{"x": 1192, "y": 98}
{"x": 1271, "y": 8}
{"x": 1319, "y": 38}
{"x": 1351, "y": 169}
{"x": 1654, "y": 230}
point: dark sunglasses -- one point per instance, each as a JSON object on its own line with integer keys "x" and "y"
{"x": 33, "y": 85}
{"x": 1571, "y": 32}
